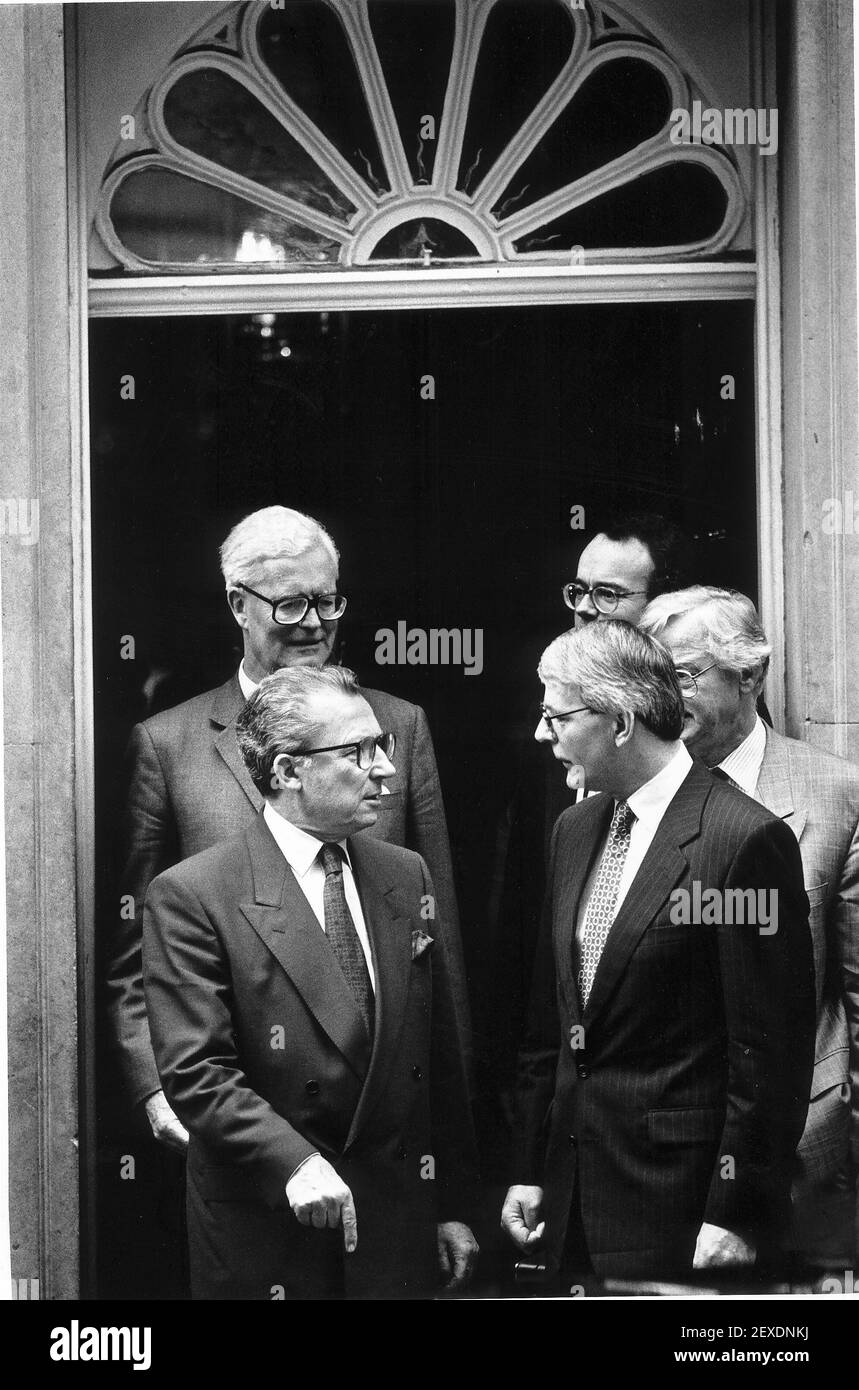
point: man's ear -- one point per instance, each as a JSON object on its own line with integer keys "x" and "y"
{"x": 752, "y": 679}
{"x": 236, "y": 599}
{"x": 284, "y": 774}
{"x": 624, "y": 727}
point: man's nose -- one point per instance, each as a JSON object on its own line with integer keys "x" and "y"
{"x": 382, "y": 765}
{"x": 311, "y": 618}
{"x": 542, "y": 733}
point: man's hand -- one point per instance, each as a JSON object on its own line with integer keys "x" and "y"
{"x": 319, "y": 1197}
{"x": 457, "y": 1253}
{"x": 520, "y": 1215}
{"x": 717, "y": 1248}
{"x": 167, "y": 1128}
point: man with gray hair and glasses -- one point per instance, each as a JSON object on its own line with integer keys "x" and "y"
{"x": 303, "y": 1024}
{"x": 663, "y": 1079}
{"x": 189, "y": 787}
{"x": 721, "y": 653}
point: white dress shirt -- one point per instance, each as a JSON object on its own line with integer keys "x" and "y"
{"x": 743, "y": 766}
{"x": 246, "y": 685}
{"x": 649, "y": 805}
{"x": 301, "y": 850}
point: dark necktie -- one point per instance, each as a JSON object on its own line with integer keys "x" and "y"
{"x": 599, "y": 914}
{"x": 724, "y": 776}
{"x": 341, "y": 932}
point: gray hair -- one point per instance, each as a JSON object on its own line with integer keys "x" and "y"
{"x": 270, "y": 534}
{"x": 279, "y": 716}
{"x": 617, "y": 669}
{"x": 728, "y": 620}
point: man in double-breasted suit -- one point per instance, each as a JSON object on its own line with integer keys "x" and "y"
{"x": 189, "y": 789}
{"x": 303, "y": 1025}
{"x": 716, "y": 637}
{"x": 663, "y": 1082}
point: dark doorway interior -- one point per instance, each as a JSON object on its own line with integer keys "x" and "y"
{"x": 452, "y": 512}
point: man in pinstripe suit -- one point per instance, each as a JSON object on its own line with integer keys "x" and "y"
{"x": 717, "y": 636}
{"x": 664, "y": 1077}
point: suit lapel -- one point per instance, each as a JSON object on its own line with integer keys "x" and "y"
{"x": 226, "y": 707}
{"x": 663, "y": 864}
{"x": 585, "y": 833}
{"x": 282, "y": 918}
{"x": 391, "y": 944}
{"x": 776, "y": 789}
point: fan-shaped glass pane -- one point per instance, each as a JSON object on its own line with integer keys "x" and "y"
{"x": 618, "y": 107}
{"x": 209, "y": 113}
{"x": 163, "y": 216}
{"x": 415, "y": 44}
{"x": 524, "y": 47}
{"x": 306, "y": 49}
{"x": 671, "y": 206}
{"x": 412, "y": 240}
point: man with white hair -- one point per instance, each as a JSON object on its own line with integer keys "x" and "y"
{"x": 722, "y": 653}
{"x": 663, "y": 1080}
{"x": 190, "y": 789}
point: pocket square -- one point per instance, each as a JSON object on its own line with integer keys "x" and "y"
{"x": 420, "y": 943}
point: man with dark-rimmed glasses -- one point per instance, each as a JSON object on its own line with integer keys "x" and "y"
{"x": 303, "y": 1025}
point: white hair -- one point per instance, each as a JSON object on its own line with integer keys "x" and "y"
{"x": 616, "y": 667}
{"x": 728, "y": 620}
{"x": 273, "y": 533}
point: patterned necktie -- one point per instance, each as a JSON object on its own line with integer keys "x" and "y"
{"x": 599, "y": 914}
{"x": 341, "y": 932}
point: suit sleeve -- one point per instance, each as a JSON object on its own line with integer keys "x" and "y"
{"x": 767, "y": 979}
{"x": 844, "y": 939}
{"x": 188, "y": 993}
{"x": 426, "y": 832}
{"x": 149, "y": 848}
{"x": 538, "y": 1055}
{"x": 453, "y": 1133}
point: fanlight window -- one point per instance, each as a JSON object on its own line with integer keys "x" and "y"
{"x": 371, "y": 132}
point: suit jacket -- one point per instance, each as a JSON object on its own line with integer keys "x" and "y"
{"x": 189, "y": 789}
{"x": 680, "y": 1094}
{"x": 265, "y": 1058}
{"x": 818, "y": 797}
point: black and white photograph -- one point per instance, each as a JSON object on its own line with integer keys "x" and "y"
{"x": 430, "y": 677}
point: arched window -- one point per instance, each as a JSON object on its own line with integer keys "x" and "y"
{"x": 350, "y": 133}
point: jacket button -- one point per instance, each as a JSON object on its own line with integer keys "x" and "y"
{"x": 571, "y": 1140}
{"x": 312, "y": 1088}
{"x": 417, "y": 1073}
{"x": 582, "y": 1071}
{"x": 401, "y": 1151}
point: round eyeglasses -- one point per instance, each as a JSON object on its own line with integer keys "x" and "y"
{"x": 294, "y": 609}
{"x": 688, "y": 680}
{"x": 605, "y": 599}
{"x": 365, "y": 749}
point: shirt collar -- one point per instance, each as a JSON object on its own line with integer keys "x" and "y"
{"x": 299, "y": 848}
{"x": 650, "y": 802}
{"x": 743, "y": 765}
{"x": 246, "y": 684}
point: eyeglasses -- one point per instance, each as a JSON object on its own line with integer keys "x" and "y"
{"x": 688, "y": 680}
{"x": 549, "y": 718}
{"x": 605, "y": 599}
{"x": 365, "y": 749}
{"x": 289, "y": 611}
